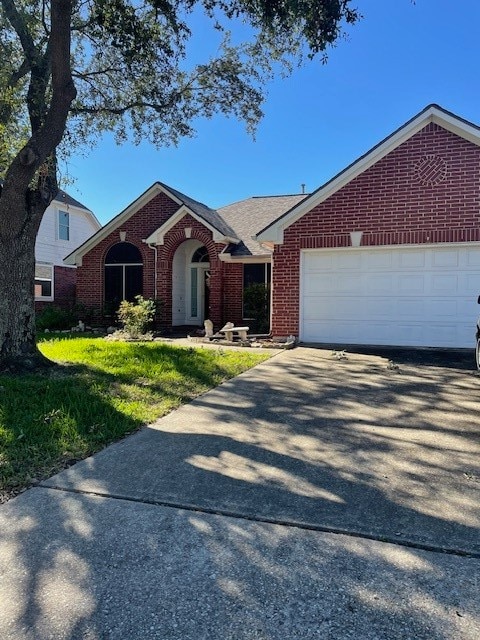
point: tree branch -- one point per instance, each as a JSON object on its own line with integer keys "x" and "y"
{"x": 21, "y": 29}
{"x": 48, "y": 136}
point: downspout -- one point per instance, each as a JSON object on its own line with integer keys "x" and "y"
{"x": 155, "y": 278}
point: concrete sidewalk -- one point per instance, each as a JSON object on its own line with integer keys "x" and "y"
{"x": 355, "y": 446}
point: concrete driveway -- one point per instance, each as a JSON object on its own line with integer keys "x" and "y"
{"x": 315, "y": 496}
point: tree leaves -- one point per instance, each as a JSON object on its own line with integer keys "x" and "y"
{"x": 134, "y": 71}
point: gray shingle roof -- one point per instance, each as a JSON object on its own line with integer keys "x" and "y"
{"x": 250, "y": 216}
{"x": 64, "y": 198}
{"x": 209, "y": 215}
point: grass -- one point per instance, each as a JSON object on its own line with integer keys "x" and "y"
{"x": 105, "y": 391}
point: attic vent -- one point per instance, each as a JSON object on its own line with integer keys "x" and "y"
{"x": 431, "y": 170}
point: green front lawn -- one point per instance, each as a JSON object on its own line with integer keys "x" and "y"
{"x": 105, "y": 391}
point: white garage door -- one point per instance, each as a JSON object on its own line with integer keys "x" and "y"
{"x": 408, "y": 296}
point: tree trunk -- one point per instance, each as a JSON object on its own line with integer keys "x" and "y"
{"x": 18, "y": 351}
{"x": 21, "y": 206}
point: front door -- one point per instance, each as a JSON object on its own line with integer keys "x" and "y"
{"x": 198, "y": 298}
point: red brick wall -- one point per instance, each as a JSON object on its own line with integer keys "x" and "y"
{"x": 65, "y": 279}
{"x": 156, "y": 212}
{"x": 233, "y": 293}
{"x": 425, "y": 191}
{"x": 90, "y": 275}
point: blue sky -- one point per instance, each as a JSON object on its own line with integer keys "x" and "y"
{"x": 401, "y": 57}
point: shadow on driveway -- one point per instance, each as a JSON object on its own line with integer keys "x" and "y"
{"x": 346, "y": 444}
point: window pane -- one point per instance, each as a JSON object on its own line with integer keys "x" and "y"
{"x": 63, "y": 225}
{"x": 201, "y": 255}
{"x": 114, "y": 286}
{"x": 133, "y": 282}
{"x": 123, "y": 253}
{"x": 253, "y": 274}
{"x": 43, "y": 288}
{"x": 194, "y": 291}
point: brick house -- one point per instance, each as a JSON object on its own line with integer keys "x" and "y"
{"x": 387, "y": 252}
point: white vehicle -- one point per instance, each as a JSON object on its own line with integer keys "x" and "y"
{"x": 477, "y": 337}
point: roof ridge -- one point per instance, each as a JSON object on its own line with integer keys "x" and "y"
{"x": 282, "y": 195}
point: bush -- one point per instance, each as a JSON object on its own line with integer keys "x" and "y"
{"x": 57, "y": 318}
{"x": 53, "y": 317}
{"x": 136, "y": 317}
{"x": 256, "y": 306}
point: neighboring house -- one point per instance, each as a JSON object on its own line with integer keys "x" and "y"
{"x": 65, "y": 224}
{"x": 385, "y": 253}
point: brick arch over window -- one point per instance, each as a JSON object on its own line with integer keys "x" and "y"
{"x": 173, "y": 239}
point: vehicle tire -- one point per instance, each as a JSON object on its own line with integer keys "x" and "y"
{"x": 477, "y": 353}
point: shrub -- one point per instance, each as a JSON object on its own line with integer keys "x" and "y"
{"x": 136, "y": 317}
{"x": 256, "y": 306}
{"x": 53, "y": 317}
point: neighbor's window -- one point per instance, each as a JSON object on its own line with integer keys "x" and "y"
{"x": 63, "y": 225}
{"x": 43, "y": 282}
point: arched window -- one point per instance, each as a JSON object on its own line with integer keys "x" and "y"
{"x": 201, "y": 255}
{"x": 123, "y": 274}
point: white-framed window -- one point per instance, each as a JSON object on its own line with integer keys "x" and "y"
{"x": 43, "y": 281}
{"x": 63, "y": 225}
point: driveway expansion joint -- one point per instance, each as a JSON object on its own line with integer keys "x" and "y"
{"x": 292, "y": 524}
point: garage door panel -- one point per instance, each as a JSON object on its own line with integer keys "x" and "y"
{"x": 411, "y": 309}
{"x": 473, "y": 258}
{"x": 376, "y": 307}
{"x": 444, "y": 308}
{"x": 381, "y": 260}
{"x": 444, "y": 283}
{"x": 391, "y": 296}
{"x": 445, "y": 258}
{"x": 349, "y": 284}
{"x": 316, "y": 285}
{"x": 381, "y": 283}
{"x": 352, "y": 261}
{"x": 472, "y": 284}
{"x": 410, "y": 283}
{"x": 412, "y": 259}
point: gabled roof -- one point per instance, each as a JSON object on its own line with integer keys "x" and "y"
{"x": 209, "y": 215}
{"x": 198, "y": 210}
{"x": 64, "y": 198}
{"x": 273, "y": 231}
{"x": 249, "y": 216}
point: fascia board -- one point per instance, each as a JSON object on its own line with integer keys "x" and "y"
{"x": 227, "y": 257}
{"x": 455, "y": 125}
{"x": 448, "y": 121}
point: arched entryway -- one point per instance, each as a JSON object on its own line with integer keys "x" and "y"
{"x": 123, "y": 274}
{"x": 190, "y": 284}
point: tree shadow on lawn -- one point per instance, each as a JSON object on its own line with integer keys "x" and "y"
{"x": 48, "y": 422}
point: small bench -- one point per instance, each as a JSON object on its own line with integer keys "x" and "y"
{"x": 229, "y": 331}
